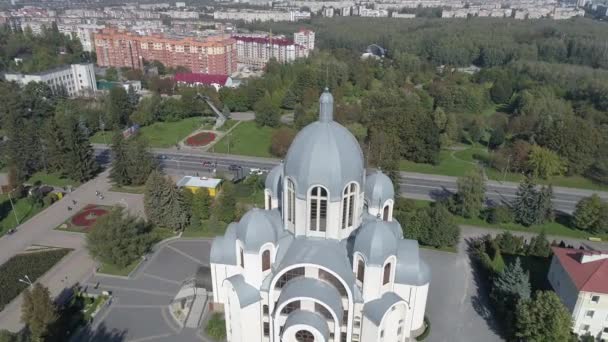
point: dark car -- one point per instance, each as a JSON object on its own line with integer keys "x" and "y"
{"x": 234, "y": 167}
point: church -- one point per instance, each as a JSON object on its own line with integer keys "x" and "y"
{"x": 324, "y": 261}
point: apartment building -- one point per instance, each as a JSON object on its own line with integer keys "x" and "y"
{"x": 84, "y": 32}
{"x": 75, "y": 79}
{"x": 255, "y": 50}
{"x": 212, "y": 55}
{"x": 305, "y": 38}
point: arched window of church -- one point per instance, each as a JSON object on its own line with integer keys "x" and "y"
{"x": 265, "y": 260}
{"x": 318, "y": 209}
{"x": 304, "y": 336}
{"x": 387, "y": 274}
{"x": 242, "y": 259}
{"x": 360, "y": 271}
{"x": 291, "y": 202}
{"x": 385, "y": 214}
{"x": 348, "y": 205}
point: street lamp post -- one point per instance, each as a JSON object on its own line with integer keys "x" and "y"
{"x": 13, "y": 207}
{"x": 26, "y": 280}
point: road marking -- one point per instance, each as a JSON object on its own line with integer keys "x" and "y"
{"x": 150, "y": 338}
{"x": 186, "y": 255}
{"x": 161, "y": 278}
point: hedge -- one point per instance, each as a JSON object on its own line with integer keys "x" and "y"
{"x": 427, "y": 330}
{"x": 216, "y": 327}
{"x": 33, "y": 265}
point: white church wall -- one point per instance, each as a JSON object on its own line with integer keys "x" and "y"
{"x": 372, "y": 284}
{"x": 393, "y": 324}
{"x": 419, "y": 306}
{"x": 369, "y": 331}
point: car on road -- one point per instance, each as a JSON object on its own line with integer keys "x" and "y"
{"x": 256, "y": 171}
{"x": 162, "y": 156}
{"x": 234, "y": 167}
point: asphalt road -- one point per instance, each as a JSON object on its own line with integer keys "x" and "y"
{"x": 413, "y": 185}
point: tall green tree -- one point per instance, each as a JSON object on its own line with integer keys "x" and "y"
{"x": 509, "y": 288}
{"x": 164, "y": 203}
{"x": 471, "y": 193}
{"x": 118, "y": 108}
{"x": 543, "y": 319}
{"x": 266, "y": 112}
{"x": 140, "y": 161}
{"x": 544, "y": 163}
{"x": 526, "y": 207}
{"x": 442, "y": 230}
{"x": 200, "y": 207}
{"x": 153, "y": 197}
{"x": 224, "y": 209}
{"x": 539, "y": 246}
{"x": 119, "y": 172}
{"x": 119, "y": 238}
{"x": 54, "y": 146}
{"x": 588, "y": 213}
{"x": 79, "y": 159}
{"x": 38, "y": 311}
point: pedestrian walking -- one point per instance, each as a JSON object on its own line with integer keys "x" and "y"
{"x": 69, "y": 208}
{"x": 74, "y": 202}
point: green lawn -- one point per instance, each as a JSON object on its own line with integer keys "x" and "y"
{"x": 458, "y": 163}
{"x": 24, "y": 210}
{"x": 159, "y": 134}
{"x": 115, "y": 270}
{"x": 227, "y": 125}
{"x": 131, "y": 189}
{"x": 246, "y": 139}
{"x": 54, "y": 179}
{"x": 206, "y": 229}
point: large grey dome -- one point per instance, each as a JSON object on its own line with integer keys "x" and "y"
{"x": 324, "y": 153}
{"x": 258, "y": 227}
{"x": 377, "y": 240}
{"x": 378, "y": 189}
{"x": 274, "y": 180}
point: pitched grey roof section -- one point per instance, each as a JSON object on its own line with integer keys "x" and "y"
{"x": 411, "y": 269}
{"x": 223, "y": 247}
{"x": 330, "y": 254}
{"x": 258, "y": 227}
{"x": 377, "y": 240}
{"x": 324, "y": 153}
{"x": 315, "y": 289}
{"x": 378, "y": 189}
{"x": 309, "y": 318}
{"x": 274, "y": 180}
{"x": 376, "y": 309}
{"x": 247, "y": 294}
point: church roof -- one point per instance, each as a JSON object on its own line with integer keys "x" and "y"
{"x": 314, "y": 289}
{"x": 246, "y": 293}
{"x": 378, "y": 189}
{"x": 376, "y": 309}
{"x": 273, "y": 180}
{"x": 308, "y": 318}
{"x": 258, "y": 227}
{"x": 324, "y": 153}
{"x": 411, "y": 268}
{"x": 377, "y": 240}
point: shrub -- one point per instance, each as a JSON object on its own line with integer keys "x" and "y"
{"x": 499, "y": 214}
{"x": 427, "y": 330}
{"x": 510, "y": 244}
{"x": 216, "y": 327}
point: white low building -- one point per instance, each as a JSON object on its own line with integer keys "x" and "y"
{"x": 580, "y": 279}
{"x": 75, "y": 79}
{"x": 325, "y": 260}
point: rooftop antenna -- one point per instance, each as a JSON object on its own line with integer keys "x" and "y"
{"x": 327, "y": 76}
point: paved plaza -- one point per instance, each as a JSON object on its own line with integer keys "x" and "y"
{"x": 139, "y": 309}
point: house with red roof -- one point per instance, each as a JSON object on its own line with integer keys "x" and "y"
{"x": 197, "y": 79}
{"x": 580, "y": 279}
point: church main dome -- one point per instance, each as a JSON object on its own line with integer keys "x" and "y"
{"x": 324, "y": 153}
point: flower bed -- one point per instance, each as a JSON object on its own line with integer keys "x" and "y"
{"x": 200, "y": 139}
{"x": 87, "y": 216}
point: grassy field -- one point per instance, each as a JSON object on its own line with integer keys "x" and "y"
{"x": 118, "y": 271}
{"x": 458, "y": 163}
{"x": 24, "y": 210}
{"x": 54, "y": 179}
{"x": 130, "y": 189}
{"x": 246, "y": 139}
{"x": 159, "y": 134}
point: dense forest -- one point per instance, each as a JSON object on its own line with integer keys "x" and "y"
{"x": 539, "y": 101}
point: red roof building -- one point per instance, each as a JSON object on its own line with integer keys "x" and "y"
{"x": 580, "y": 279}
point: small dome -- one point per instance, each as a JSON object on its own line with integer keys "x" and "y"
{"x": 258, "y": 227}
{"x": 377, "y": 240}
{"x": 378, "y": 189}
{"x": 324, "y": 153}
{"x": 274, "y": 180}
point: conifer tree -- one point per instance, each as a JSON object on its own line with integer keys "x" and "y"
{"x": 79, "y": 159}
{"x": 546, "y": 212}
{"x": 544, "y": 318}
{"x": 119, "y": 173}
{"x": 153, "y": 197}
{"x": 225, "y": 206}
{"x": 164, "y": 204}
{"x": 140, "y": 161}
{"x": 526, "y": 207}
{"x": 539, "y": 246}
{"x": 55, "y": 146}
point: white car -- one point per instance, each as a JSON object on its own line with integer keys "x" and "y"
{"x": 256, "y": 171}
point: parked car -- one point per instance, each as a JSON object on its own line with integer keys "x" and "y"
{"x": 234, "y": 167}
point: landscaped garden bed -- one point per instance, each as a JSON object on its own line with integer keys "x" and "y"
{"x": 83, "y": 220}
{"x": 33, "y": 264}
{"x": 200, "y": 139}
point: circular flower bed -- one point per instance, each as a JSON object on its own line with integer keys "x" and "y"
{"x": 200, "y": 139}
{"x": 87, "y": 216}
